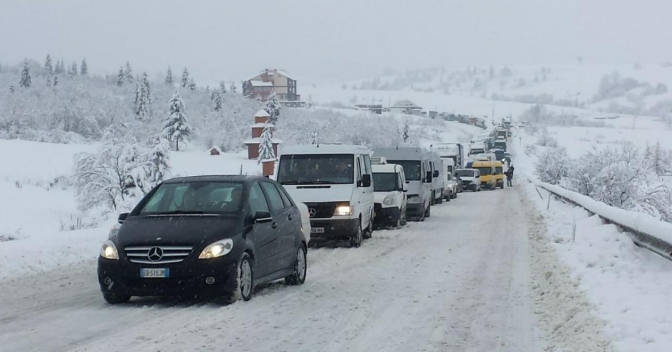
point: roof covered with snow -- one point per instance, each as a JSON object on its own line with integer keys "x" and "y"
{"x": 262, "y": 125}
{"x": 325, "y": 149}
{"x": 261, "y": 84}
{"x": 272, "y": 73}
{"x": 402, "y": 153}
{"x": 405, "y": 104}
{"x": 258, "y": 140}
{"x": 262, "y": 113}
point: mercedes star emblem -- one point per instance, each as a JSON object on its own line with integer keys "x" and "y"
{"x": 312, "y": 212}
{"x": 155, "y": 254}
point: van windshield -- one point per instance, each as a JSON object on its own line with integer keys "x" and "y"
{"x": 312, "y": 169}
{"x": 484, "y": 170}
{"x": 465, "y": 173}
{"x": 412, "y": 168}
{"x": 385, "y": 182}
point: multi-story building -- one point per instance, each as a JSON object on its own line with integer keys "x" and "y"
{"x": 262, "y": 85}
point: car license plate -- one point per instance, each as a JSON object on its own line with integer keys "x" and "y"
{"x": 155, "y": 273}
{"x": 317, "y": 229}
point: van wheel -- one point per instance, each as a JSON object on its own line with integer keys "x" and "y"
{"x": 404, "y": 218}
{"x": 428, "y": 212}
{"x": 440, "y": 200}
{"x": 357, "y": 238}
{"x": 368, "y": 233}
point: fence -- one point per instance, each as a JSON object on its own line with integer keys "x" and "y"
{"x": 644, "y": 230}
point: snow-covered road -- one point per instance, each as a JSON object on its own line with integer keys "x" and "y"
{"x": 460, "y": 281}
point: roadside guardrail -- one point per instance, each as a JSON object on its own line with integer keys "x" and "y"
{"x": 645, "y": 230}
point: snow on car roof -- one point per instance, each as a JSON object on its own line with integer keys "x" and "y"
{"x": 325, "y": 149}
{"x": 402, "y": 153}
{"x": 385, "y": 168}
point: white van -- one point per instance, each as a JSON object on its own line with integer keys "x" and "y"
{"x": 334, "y": 181}
{"x": 471, "y": 179}
{"x": 477, "y": 148}
{"x": 389, "y": 186}
{"x": 415, "y": 162}
{"x": 438, "y": 177}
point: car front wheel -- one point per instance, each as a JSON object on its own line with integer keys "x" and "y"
{"x": 298, "y": 277}
{"x": 244, "y": 281}
{"x": 356, "y": 239}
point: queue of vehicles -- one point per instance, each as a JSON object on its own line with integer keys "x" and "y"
{"x": 223, "y": 235}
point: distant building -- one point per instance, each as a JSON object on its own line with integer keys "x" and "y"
{"x": 406, "y": 107}
{"x": 374, "y": 108}
{"x": 262, "y": 85}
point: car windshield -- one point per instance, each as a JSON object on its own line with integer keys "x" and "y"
{"x": 385, "y": 182}
{"x": 195, "y": 198}
{"x": 484, "y": 170}
{"x": 307, "y": 169}
{"x": 499, "y": 169}
{"x": 412, "y": 168}
{"x": 465, "y": 173}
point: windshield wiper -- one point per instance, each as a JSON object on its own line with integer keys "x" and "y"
{"x": 317, "y": 183}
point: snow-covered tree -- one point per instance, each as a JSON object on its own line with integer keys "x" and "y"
{"x": 55, "y": 81}
{"x": 106, "y": 177}
{"x": 143, "y": 98}
{"x": 25, "y": 75}
{"x": 49, "y": 68}
{"x": 552, "y": 165}
{"x": 218, "y": 100}
{"x": 222, "y": 87}
{"x": 60, "y": 67}
{"x": 11, "y": 87}
{"x": 273, "y": 108}
{"x": 155, "y": 170}
{"x": 73, "y": 70}
{"x": 176, "y": 128}
{"x": 84, "y": 69}
{"x": 48, "y": 82}
{"x": 121, "y": 77}
{"x": 128, "y": 72}
{"x": 192, "y": 84}
{"x": 266, "y": 144}
{"x": 169, "y": 77}
{"x": 233, "y": 88}
{"x": 185, "y": 78}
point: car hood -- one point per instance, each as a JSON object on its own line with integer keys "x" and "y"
{"x": 467, "y": 179}
{"x": 320, "y": 193}
{"x": 415, "y": 187}
{"x": 177, "y": 230}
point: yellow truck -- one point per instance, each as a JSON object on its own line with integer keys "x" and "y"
{"x": 499, "y": 174}
{"x": 487, "y": 169}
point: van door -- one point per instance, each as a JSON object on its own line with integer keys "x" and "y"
{"x": 368, "y": 194}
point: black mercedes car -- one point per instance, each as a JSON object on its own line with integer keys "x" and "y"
{"x": 219, "y": 235}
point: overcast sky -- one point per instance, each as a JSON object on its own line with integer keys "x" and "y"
{"x": 323, "y": 39}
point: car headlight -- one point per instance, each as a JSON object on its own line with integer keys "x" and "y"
{"x": 390, "y": 199}
{"x": 217, "y": 249}
{"x": 109, "y": 251}
{"x": 414, "y": 199}
{"x": 343, "y": 210}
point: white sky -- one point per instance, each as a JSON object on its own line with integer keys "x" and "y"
{"x": 339, "y": 39}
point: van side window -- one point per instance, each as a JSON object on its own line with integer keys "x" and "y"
{"x": 367, "y": 164}
{"x": 359, "y": 170}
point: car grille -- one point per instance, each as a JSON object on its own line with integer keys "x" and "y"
{"x": 157, "y": 254}
{"x": 322, "y": 210}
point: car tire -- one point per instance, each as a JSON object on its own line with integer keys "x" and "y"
{"x": 298, "y": 277}
{"x": 428, "y": 212}
{"x": 244, "y": 281}
{"x": 113, "y": 298}
{"x": 358, "y": 237}
{"x": 404, "y": 217}
{"x": 368, "y": 233}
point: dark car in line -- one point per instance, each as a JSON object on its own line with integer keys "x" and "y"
{"x": 205, "y": 235}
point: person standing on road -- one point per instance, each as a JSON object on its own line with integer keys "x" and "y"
{"x": 509, "y": 176}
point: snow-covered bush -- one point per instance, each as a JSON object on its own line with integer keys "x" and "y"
{"x": 552, "y": 165}
{"x": 546, "y": 140}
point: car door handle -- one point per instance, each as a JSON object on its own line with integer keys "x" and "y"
{"x": 275, "y": 225}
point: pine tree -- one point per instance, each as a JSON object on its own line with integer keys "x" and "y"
{"x": 233, "y": 88}
{"x": 169, "y": 77}
{"x": 120, "y": 77}
{"x": 84, "y": 70}
{"x": 218, "y": 100}
{"x": 60, "y": 67}
{"x": 185, "y": 78}
{"x": 128, "y": 72}
{"x": 192, "y": 85}
{"x": 73, "y": 70}
{"x": 407, "y": 132}
{"x": 49, "y": 80}
{"x": 25, "y": 75}
{"x": 143, "y": 98}
{"x": 266, "y": 151}
{"x": 273, "y": 108}
{"x": 48, "y": 66}
{"x": 11, "y": 87}
{"x": 55, "y": 81}
{"x": 222, "y": 87}
{"x": 176, "y": 128}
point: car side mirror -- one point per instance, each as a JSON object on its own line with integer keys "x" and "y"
{"x": 262, "y": 217}
{"x": 436, "y": 173}
{"x": 366, "y": 180}
{"x": 122, "y": 217}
